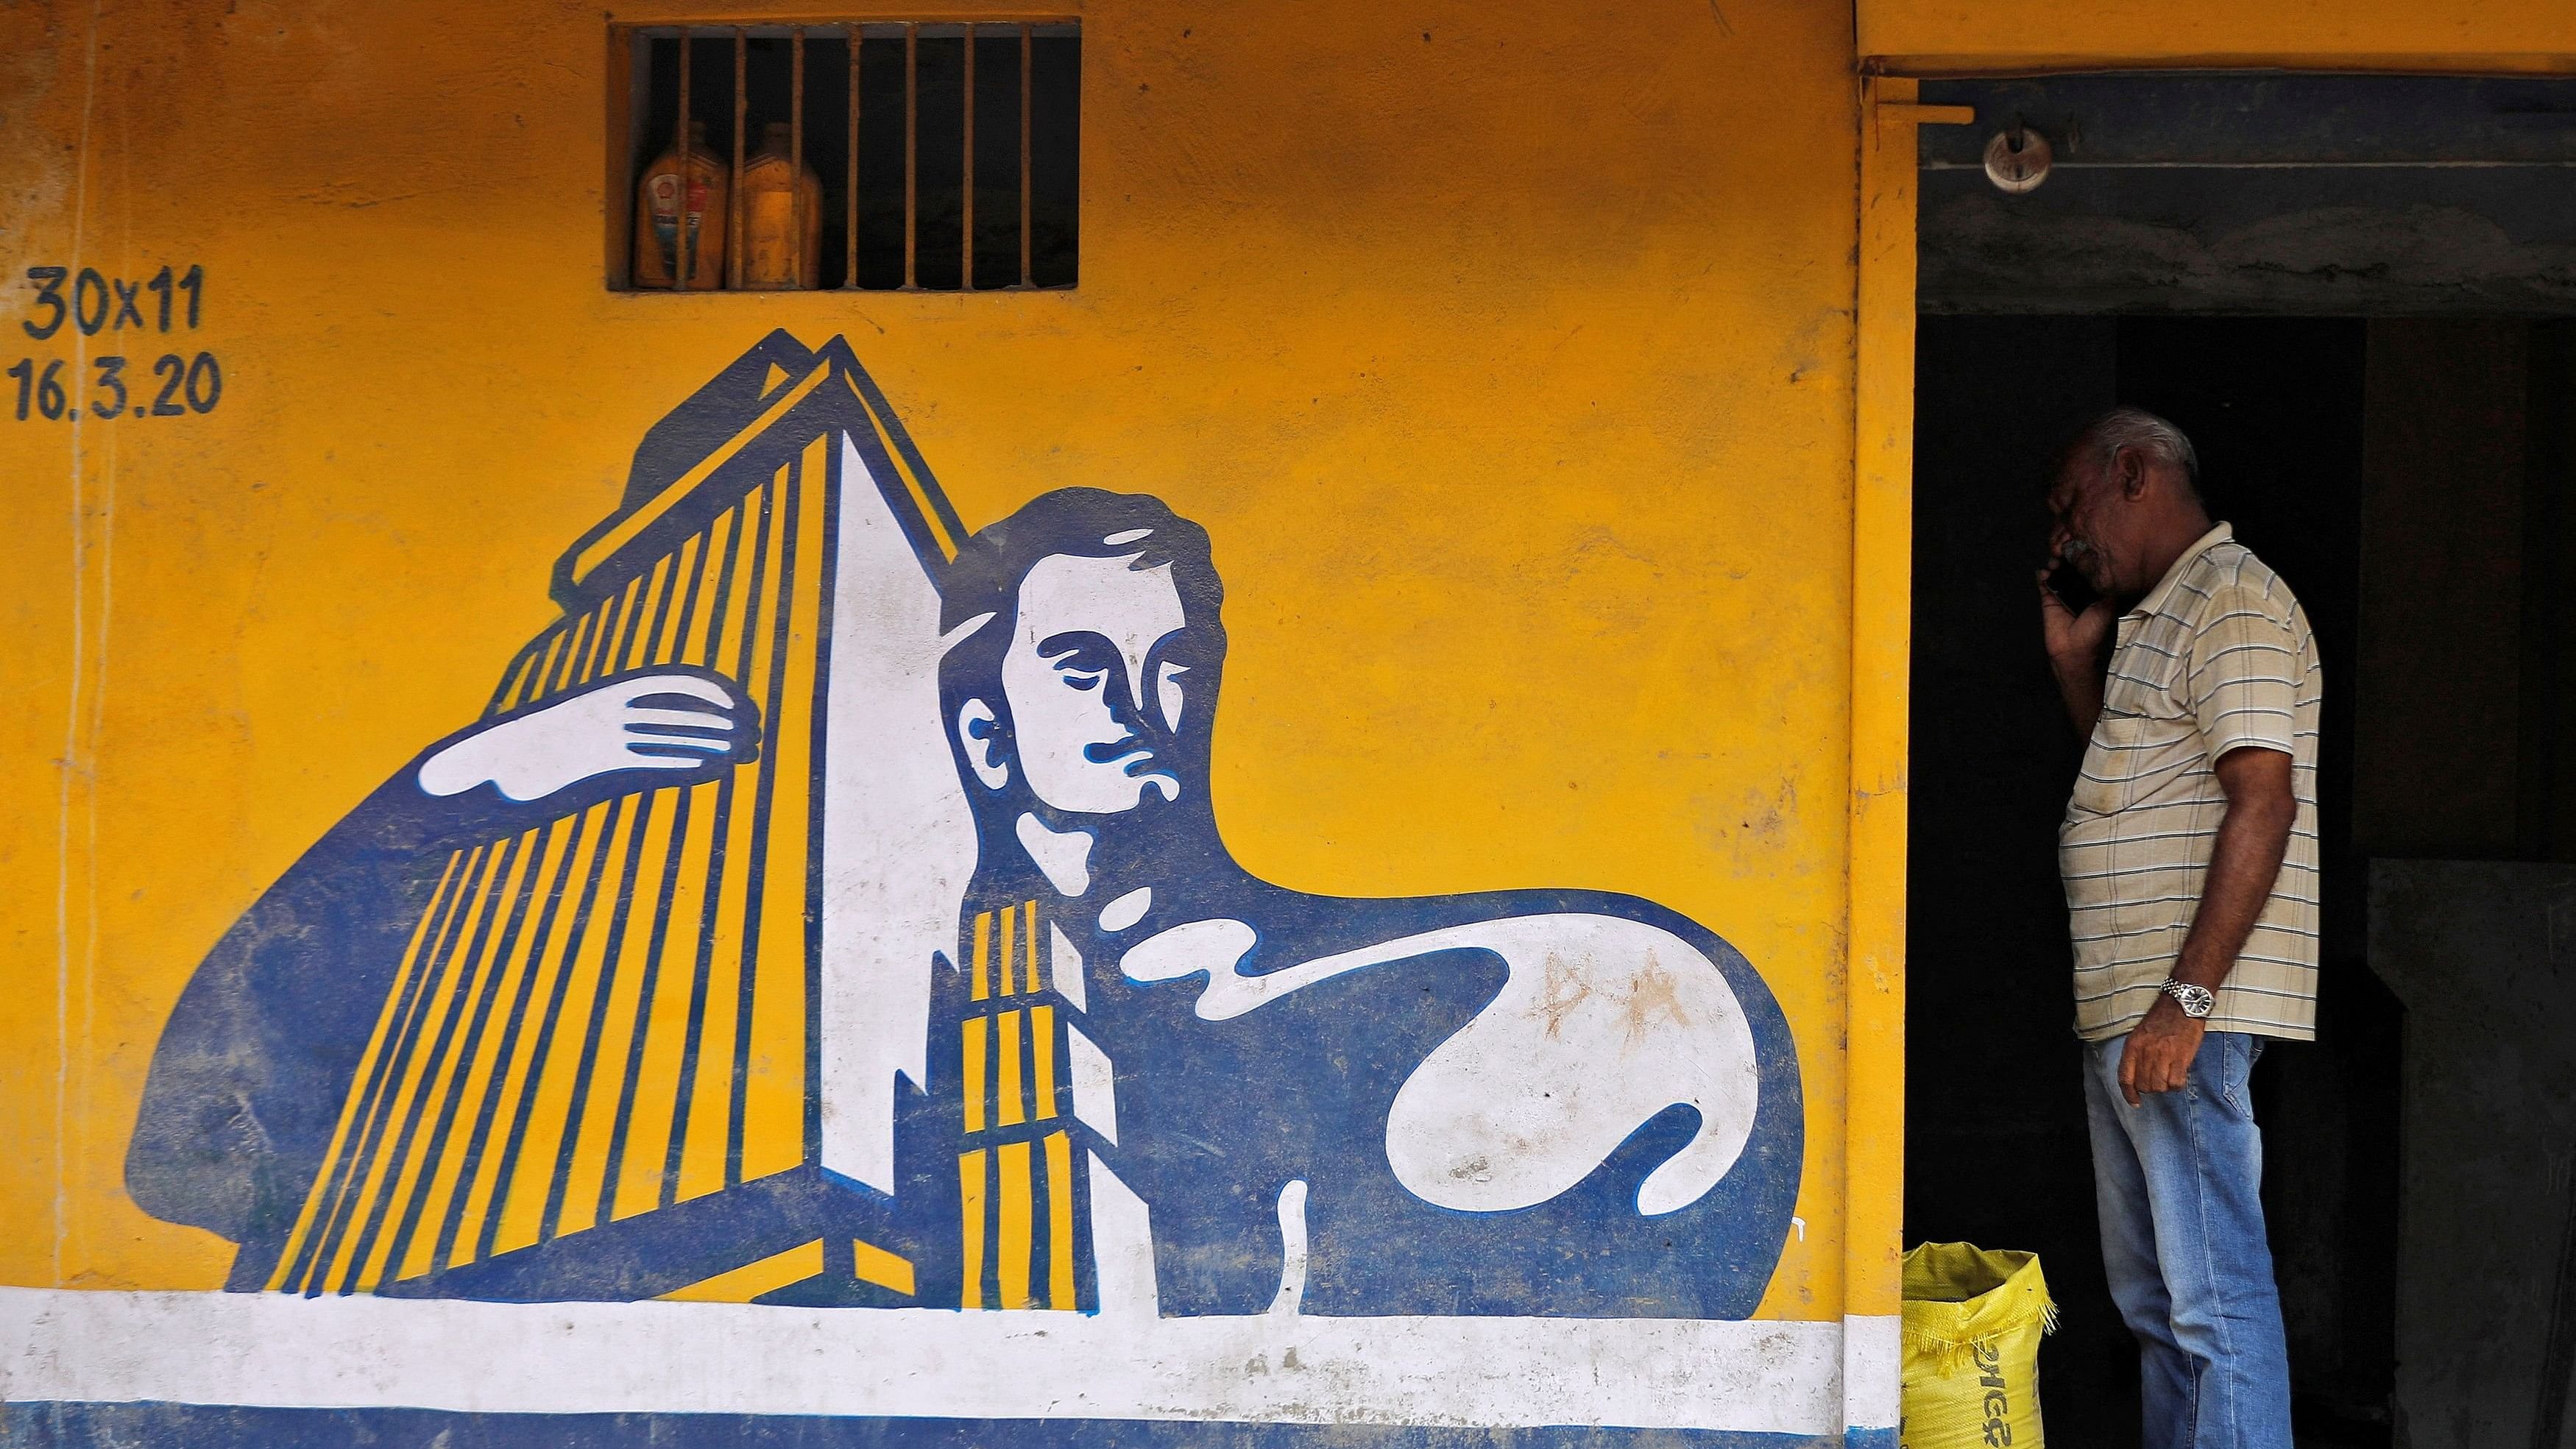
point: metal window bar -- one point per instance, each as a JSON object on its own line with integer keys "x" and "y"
{"x": 911, "y": 154}
{"x": 853, "y": 36}
{"x": 850, "y": 193}
{"x": 796, "y": 154}
{"x": 1028, "y": 84}
{"x": 733, "y": 190}
{"x": 680, "y": 230}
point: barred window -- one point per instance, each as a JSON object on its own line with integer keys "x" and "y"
{"x": 877, "y": 156}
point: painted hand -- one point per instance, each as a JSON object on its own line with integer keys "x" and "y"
{"x": 2160, "y": 1051}
{"x": 651, "y": 724}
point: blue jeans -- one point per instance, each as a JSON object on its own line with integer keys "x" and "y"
{"x": 2178, "y": 1178}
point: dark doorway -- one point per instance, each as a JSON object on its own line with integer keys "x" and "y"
{"x": 1997, "y": 1152}
{"x": 2354, "y": 293}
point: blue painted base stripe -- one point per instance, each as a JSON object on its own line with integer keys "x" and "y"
{"x": 203, "y": 1426}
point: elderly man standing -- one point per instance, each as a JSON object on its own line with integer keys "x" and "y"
{"x": 2189, "y": 853}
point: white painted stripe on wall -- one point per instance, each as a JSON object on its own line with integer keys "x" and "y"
{"x": 1873, "y": 1371}
{"x": 1095, "y": 1082}
{"x": 275, "y": 1351}
{"x": 1122, "y": 1247}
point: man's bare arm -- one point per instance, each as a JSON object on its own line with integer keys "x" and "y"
{"x": 2253, "y": 837}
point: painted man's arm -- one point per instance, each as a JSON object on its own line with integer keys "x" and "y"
{"x": 257, "y": 1055}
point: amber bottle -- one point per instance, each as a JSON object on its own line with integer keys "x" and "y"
{"x": 695, "y": 173}
{"x": 779, "y": 217}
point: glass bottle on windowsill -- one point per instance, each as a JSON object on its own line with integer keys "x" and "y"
{"x": 779, "y": 216}
{"x": 682, "y": 193}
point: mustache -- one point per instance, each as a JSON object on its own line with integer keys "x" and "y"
{"x": 1113, "y": 751}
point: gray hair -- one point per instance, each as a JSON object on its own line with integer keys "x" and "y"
{"x": 2102, "y": 440}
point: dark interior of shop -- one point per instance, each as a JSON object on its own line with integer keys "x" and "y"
{"x": 2352, "y": 293}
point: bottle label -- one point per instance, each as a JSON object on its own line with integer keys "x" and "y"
{"x": 664, "y": 193}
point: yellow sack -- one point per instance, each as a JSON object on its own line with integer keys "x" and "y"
{"x": 1972, "y": 1326}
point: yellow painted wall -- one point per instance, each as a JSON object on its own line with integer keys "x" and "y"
{"x": 1508, "y": 357}
{"x": 1507, "y": 354}
{"x": 1938, "y": 37}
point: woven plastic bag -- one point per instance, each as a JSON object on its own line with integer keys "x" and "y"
{"x": 1973, "y": 1320}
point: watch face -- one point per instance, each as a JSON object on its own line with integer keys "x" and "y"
{"x": 2196, "y": 1001}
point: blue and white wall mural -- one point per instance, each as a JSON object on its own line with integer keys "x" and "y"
{"x": 830, "y": 910}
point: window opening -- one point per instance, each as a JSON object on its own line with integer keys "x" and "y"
{"x": 884, "y": 156}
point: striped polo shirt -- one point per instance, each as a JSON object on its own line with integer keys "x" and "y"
{"x": 2217, "y": 656}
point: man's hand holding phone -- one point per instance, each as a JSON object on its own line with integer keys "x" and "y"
{"x": 2075, "y": 631}
{"x": 2074, "y": 621}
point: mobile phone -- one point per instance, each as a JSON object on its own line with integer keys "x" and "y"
{"x": 2072, "y": 589}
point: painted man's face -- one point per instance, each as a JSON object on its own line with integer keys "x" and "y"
{"x": 1096, "y": 677}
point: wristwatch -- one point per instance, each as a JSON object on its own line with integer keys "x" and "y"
{"x": 2197, "y": 1002}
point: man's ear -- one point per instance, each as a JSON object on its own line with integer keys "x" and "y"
{"x": 2130, "y": 467}
{"x": 979, "y": 735}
